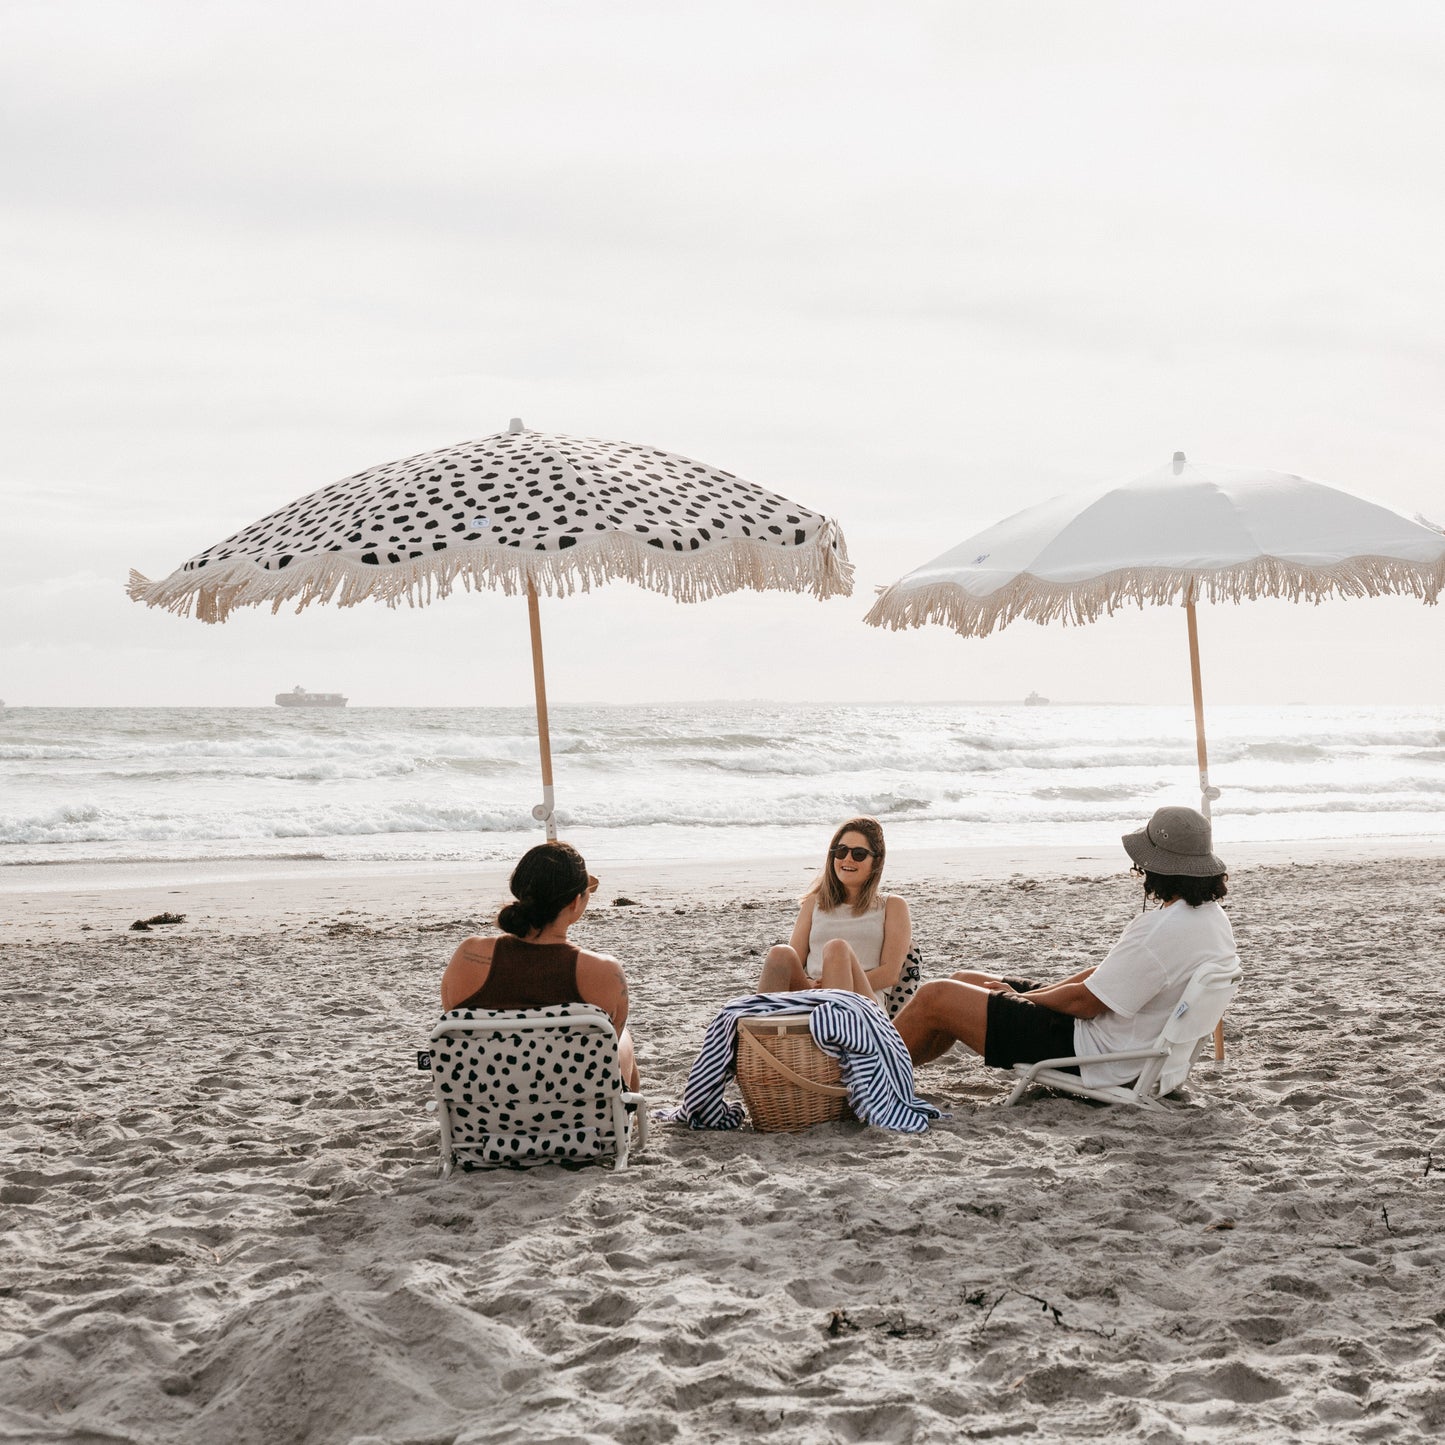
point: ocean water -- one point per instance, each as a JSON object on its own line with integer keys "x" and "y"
{"x": 356, "y": 785}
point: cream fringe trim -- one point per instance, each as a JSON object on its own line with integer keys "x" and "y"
{"x": 212, "y": 593}
{"x": 1080, "y": 602}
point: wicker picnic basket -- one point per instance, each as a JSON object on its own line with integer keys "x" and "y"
{"x": 787, "y": 1081}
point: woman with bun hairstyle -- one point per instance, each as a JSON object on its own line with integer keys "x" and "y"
{"x": 532, "y": 964}
{"x": 849, "y": 934}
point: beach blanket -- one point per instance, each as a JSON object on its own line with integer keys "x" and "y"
{"x": 877, "y": 1071}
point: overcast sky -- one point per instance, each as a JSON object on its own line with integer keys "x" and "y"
{"x": 915, "y": 265}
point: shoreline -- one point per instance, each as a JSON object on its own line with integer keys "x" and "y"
{"x": 223, "y": 895}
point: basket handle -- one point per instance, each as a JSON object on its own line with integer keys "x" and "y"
{"x": 811, "y": 1085}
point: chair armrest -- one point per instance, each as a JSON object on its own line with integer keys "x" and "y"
{"x": 640, "y": 1103}
{"x": 1126, "y": 1056}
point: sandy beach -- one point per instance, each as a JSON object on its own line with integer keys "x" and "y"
{"x": 222, "y": 1218}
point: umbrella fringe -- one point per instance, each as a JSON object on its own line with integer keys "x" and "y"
{"x": 1078, "y": 603}
{"x": 821, "y": 568}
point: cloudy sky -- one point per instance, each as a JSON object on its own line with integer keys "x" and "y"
{"x": 914, "y": 264}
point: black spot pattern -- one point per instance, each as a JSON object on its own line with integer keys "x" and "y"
{"x": 525, "y": 492}
{"x": 517, "y": 1098}
{"x": 909, "y": 977}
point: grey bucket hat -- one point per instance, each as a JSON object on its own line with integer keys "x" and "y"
{"x": 1177, "y": 842}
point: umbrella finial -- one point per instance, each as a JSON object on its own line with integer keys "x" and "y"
{"x": 515, "y": 425}
{"x": 1178, "y": 463}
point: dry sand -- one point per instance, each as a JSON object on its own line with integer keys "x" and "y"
{"x": 223, "y": 1221}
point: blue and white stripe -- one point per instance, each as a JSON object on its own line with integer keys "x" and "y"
{"x": 877, "y": 1071}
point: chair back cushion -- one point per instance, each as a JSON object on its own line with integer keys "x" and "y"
{"x": 527, "y": 1086}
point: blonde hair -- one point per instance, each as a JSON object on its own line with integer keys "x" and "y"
{"x": 827, "y": 889}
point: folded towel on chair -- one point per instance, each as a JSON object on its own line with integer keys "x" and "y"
{"x": 877, "y": 1071}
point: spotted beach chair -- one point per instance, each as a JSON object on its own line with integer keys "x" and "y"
{"x": 909, "y": 978}
{"x": 517, "y": 1087}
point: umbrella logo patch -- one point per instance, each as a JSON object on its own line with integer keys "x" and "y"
{"x": 979, "y": 560}
{"x": 480, "y": 521}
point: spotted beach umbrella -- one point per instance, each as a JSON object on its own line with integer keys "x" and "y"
{"x": 523, "y": 511}
{"x": 1178, "y": 535}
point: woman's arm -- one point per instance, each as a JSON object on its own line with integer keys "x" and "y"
{"x": 467, "y": 971}
{"x": 601, "y": 981}
{"x": 801, "y": 929}
{"x": 897, "y": 940}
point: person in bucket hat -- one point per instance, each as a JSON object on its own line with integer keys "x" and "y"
{"x": 1113, "y": 1007}
{"x": 1176, "y": 843}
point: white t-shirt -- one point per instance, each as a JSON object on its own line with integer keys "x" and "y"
{"x": 1141, "y": 980}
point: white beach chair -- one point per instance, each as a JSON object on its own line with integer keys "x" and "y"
{"x": 1165, "y": 1064}
{"x": 517, "y": 1087}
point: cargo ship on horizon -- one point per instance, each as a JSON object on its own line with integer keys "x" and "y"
{"x": 299, "y": 697}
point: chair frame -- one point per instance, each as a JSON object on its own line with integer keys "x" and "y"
{"x": 1203, "y": 1002}
{"x": 626, "y": 1104}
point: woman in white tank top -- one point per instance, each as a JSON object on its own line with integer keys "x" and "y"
{"x": 848, "y": 934}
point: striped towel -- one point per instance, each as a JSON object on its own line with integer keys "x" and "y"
{"x": 877, "y": 1071}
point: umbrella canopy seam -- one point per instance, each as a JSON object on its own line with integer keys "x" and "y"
{"x": 1078, "y": 603}
{"x": 211, "y": 594}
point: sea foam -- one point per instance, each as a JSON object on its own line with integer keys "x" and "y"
{"x": 101, "y": 784}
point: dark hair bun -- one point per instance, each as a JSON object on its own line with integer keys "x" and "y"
{"x": 549, "y": 877}
{"x": 516, "y": 918}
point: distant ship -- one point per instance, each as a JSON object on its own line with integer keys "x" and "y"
{"x": 1034, "y": 699}
{"x": 299, "y": 697}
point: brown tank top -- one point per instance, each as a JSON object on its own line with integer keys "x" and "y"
{"x": 528, "y": 975}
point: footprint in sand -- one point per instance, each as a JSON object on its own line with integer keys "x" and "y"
{"x": 1235, "y": 1381}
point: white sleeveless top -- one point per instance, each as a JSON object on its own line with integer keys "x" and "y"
{"x": 863, "y": 933}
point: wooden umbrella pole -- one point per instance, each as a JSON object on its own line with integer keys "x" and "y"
{"x": 1206, "y": 793}
{"x": 543, "y": 812}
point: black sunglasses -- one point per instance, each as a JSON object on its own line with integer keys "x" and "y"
{"x": 841, "y": 850}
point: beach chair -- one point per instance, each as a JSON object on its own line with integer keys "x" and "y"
{"x": 517, "y": 1087}
{"x": 909, "y": 978}
{"x": 1166, "y": 1064}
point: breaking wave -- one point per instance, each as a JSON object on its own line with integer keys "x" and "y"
{"x": 102, "y": 784}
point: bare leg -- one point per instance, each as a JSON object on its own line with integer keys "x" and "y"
{"x": 941, "y": 1014}
{"x": 627, "y": 1060}
{"x": 841, "y": 969}
{"x": 782, "y": 971}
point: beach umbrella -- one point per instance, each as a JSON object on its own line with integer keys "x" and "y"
{"x": 1184, "y": 533}
{"x": 1180, "y": 534}
{"x": 523, "y": 511}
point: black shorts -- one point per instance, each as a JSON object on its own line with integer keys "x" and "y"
{"x": 1024, "y": 1033}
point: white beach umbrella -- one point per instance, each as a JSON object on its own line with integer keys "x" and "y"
{"x": 1180, "y": 534}
{"x": 523, "y": 511}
